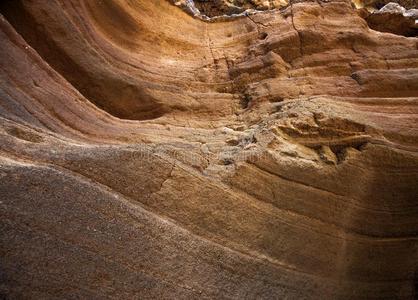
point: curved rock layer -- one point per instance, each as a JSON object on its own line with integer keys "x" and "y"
{"x": 148, "y": 154}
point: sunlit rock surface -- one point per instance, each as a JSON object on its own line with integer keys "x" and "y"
{"x": 395, "y": 19}
{"x": 149, "y": 154}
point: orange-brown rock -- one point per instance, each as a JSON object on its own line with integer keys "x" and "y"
{"x": 147, "y": 153}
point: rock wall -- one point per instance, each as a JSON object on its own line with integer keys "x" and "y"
{"x": 146, "y": 153}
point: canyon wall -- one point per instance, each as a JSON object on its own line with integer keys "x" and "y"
{"x": 149, "y": 153}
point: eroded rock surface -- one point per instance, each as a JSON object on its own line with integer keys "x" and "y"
{"x": 146, "y": 153}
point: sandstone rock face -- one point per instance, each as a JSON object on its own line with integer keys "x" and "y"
{"x": 146, "y": 153}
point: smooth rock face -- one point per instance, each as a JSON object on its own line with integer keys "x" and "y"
{"x": 145, "y": 153}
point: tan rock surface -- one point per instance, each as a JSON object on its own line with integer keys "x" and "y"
{"x": 146, "y": 153}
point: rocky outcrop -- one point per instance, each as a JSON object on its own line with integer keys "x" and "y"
{"x": 395, "y": 19}
{"x": 378, "y": 4}
{"x": 147, "y": 153}
{"x": 229, "y": 7}
{"x": 221, "y": 10}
